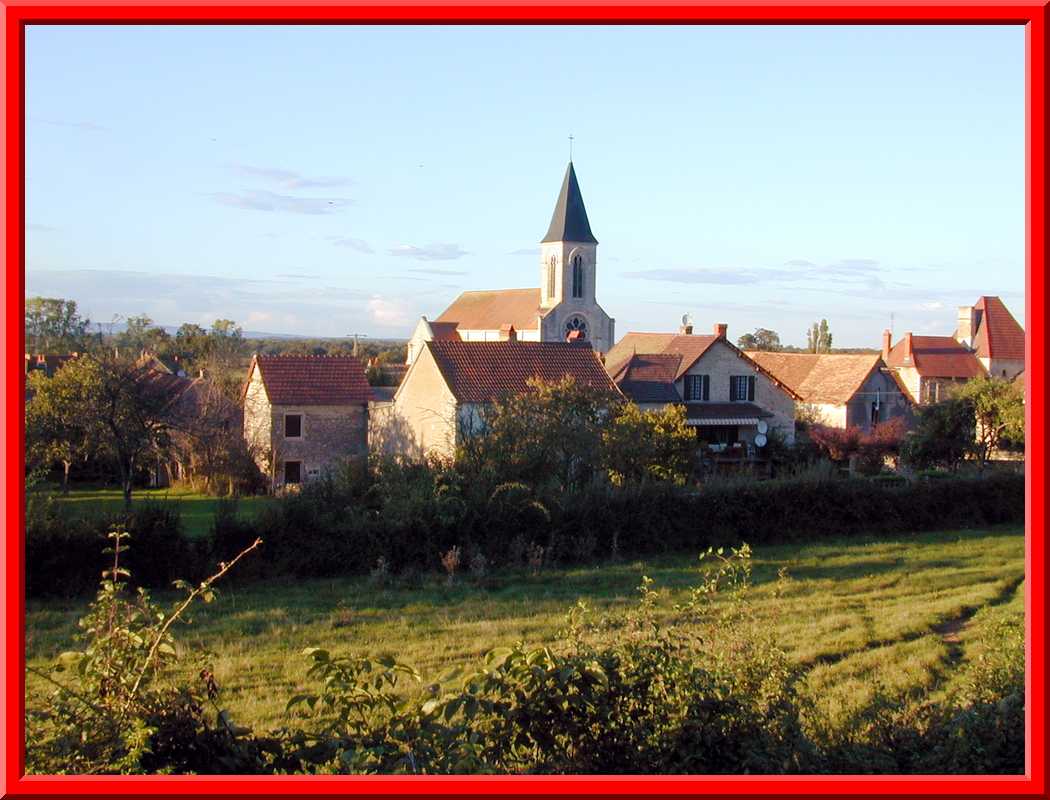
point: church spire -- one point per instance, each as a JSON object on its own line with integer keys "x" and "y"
{"x": 569, "y": 223}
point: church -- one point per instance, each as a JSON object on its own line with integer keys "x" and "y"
{"x": 563, "y": 308}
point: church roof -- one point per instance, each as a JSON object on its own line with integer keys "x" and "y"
{"x": 569, "y": 223}
{"x": 489, "y": 310}
{"x": 649, "y": 378}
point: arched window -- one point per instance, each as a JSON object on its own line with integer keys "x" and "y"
{"x": 577, "y": 276}
{"x": 576, "y": 325}
{"x": 550, "y": 277}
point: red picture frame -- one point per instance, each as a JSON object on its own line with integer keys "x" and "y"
{"x": 18, "y": 13}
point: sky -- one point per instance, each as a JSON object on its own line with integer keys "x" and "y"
{"x": 328, "y": 181}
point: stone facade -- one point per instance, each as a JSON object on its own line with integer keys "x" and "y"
{"x": 721, "y": 361}
{"x": 329, "y": 435}
{"x": 422, "y": 418}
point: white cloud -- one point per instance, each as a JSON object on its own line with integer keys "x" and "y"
{"x": 290, "y": 180}
{"x": 431, "y": 252}
{"x": 259, "y": 200}
{"x": 388, "y": 313}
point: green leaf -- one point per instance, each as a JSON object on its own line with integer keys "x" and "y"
{"x": 317, "y": 653}
{"x": 429, "y": 706}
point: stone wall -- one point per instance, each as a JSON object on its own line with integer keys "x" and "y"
{"x": 330, "y": 436}
{"x": 423, "y": 417}
{"x": 721, "y": 362}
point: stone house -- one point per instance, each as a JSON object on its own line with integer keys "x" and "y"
{"x": 838, "y": 389}
{"x": 729, "y": 398}
{"x": 564, "y": 305}
{"x": 451, "y": 383}
{"x": 304, "y": 415}
{"x": 929, "y": 366}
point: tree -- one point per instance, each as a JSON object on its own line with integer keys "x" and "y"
{"x": 648, "y": 445}
{"x": 942, "y": 437}
{"x": 998, "y": 408}
{"x": 192, "y": 344}
{"x": 132, "y": 410}
{"x": 818, "y": 338}
{"x": 57, "y": 427}
{"x": 53, "y": 325}
{"x": 549, "y": 436}
{"x": 761, "y": 339}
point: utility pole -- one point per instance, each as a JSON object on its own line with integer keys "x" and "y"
{"x": 356, "y": 335}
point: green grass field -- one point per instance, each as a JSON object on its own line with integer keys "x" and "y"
{"x": 904, "y": 611}
{"x": 197, "y": 510}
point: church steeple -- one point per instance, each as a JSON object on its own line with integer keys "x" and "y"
{"x": 569, "y": 222}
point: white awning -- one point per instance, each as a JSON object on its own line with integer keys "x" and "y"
{"x": 706, "y": 421}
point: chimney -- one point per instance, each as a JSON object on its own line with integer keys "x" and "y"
{"x": 887, "y": 344}
{"x": 574, "y": 336}
{"x": 907, "y": 348}
{"x": 721, "y": 328}
{"x": 964, "y": 331}
{"x": 507, "y": 333}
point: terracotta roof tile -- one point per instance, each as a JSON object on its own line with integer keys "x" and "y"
{"x": 998, "y": 334}
{"x": 313, "y": 380}
{"x": 443, "y": 330}
{"x": 819, "y": 377}
{"x": 690, "y": 348}
{"x": 938, "y": 357}
{"x": 480, "y": 372}
{"x": 488, "y": 310}
{"x": 650, "y": 378}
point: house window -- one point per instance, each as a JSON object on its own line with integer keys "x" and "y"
{"x": 293, "y": 471}
{"x": 742, "y": 387}
{"x": 550, "y": 277}
{"x": 577, "y": 276}
{"x": 293, "y": 426}
{"x": 697, "y": 387}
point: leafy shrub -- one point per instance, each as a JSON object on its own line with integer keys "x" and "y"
{"x": 114, "y": 707}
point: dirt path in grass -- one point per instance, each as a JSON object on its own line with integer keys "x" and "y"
{"x": 951, "y": 632}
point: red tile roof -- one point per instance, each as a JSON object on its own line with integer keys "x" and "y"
{"x": 488, "y": 310}
{"x": 312, "y": 380}
{"x": 443, "y": 330}
{"x": 937, "y": 357}
{"x": 480, "y": 372}
{"x": 998, "y": 333}
{"x": 650, "y": 378}
{"x": 688, "y": 347}
{"x": 819, "y": 377}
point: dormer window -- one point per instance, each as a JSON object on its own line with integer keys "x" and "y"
{"x": 577, "y": 276}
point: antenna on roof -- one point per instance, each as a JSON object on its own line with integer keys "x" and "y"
{"x": 570, "y": 147}
{"x": 891, "y": 323}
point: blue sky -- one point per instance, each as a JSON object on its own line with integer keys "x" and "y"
{"x": 333, "y": 180}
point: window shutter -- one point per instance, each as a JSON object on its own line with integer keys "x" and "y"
{"x": 751, "y": 387}
{"x": 706, "y": 387}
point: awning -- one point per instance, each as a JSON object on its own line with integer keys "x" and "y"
{"x": 705, "y": 421}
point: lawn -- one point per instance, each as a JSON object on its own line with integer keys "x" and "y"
{"x": 196, "y": 510}
{"x": 906, "y": 611}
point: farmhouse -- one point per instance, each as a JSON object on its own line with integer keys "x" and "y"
{"x": 729, "y": 398}
{"x": 450, "y": 384}
{"x": 929, "y": 366}
{"x": 841, "y": 390}
{"x": 305, "y": 414}
{"x": 564, "y": 306}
